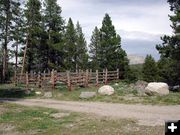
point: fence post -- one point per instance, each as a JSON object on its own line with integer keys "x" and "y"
{"x": 52, "y": 79}
{"x": 15, "y": 78}
{"x": 97, "y": 78}
{"x": 118, "y": 74}
{"x": 103, "y": 75}
{"x": 44, "y": 75}
{"x": 90, "y": 75}
{"x": 86, "y": 77}
{"x": 55, "y": 78}
{"x": 39, "y": 80}
{"x": 27, "y": 80}
{"x": 68, "y": 80}
{"x": 106, "y": 76}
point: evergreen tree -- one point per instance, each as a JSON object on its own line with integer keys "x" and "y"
{"x": 166, "y": 70}
{"x": 18, "y": 36}
{"x": 112, "y": 56}
{"x": 95, "y": 48}
{"x": 170, "y": 47}
{"x": 54, "y": 26}
{"x": 8, "y": 13}
{"x": 33, "y": 31}
{"x": 149, "y": 69}
{"x": 70, "y": 45}
{"x": 81, "y": 56}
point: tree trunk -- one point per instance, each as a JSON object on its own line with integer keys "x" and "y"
{"x": 5, "y": 51}
{"x": 16, "y": 55}
{"x": 24, "y": 57}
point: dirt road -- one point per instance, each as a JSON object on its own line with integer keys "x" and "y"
{"x": 144, "y": 114}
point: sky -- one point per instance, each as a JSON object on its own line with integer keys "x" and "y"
{"x": 140, "y": 23}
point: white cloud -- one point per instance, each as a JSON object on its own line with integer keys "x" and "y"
{"x": 133, "y": 19}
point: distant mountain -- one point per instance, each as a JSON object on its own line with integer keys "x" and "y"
{"x": 135, "y": 59}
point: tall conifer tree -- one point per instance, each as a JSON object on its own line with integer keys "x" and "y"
{"x": 112, "y": 56}
{"x": 33, "y": 31}
{"x": 95, "y": 48}
{"x": 70, "y": 45}
{"x": 9, "y": 11}
{"x": 81, "y": 56}
{"x": 170, "y": 48}
{"x": 54, "y": 26}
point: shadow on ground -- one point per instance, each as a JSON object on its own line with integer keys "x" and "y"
{"x": 15, "y": 93}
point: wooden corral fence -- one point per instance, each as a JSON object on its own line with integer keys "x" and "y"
{"x": 71, "y": 79}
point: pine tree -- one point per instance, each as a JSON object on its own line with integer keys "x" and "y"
{"x": 8, "y": 13}
{"x": 17, "y": 35}
{"x": 166, "y": 70}
{"x": 149, "y": 69}
{"x": 170, "y": 47}
{"x": 81, "y": 56}
{"x": 112, "y": 56}
{"x": 54, "y": 26}
{"x": 70, "y": 45}
{"x": 33, "y": 30}
{"x": 95, "y": 48}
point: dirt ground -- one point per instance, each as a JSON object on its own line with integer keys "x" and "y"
{"x": 150, "y": 115}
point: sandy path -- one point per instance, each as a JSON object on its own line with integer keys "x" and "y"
{"x": 145, "y": 114}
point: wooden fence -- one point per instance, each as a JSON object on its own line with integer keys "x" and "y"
{"x": 71, "y": 79}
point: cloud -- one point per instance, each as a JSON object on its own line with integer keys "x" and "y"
{"x": 137, "y": 21}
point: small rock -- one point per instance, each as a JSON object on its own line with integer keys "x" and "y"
{"x": 86, "y": 95}
{"x": 59, "y": 115}
{"x": 106, "y": 90}
{"x": 38, "y": 93}
{"x": 116, "y": 84}
{"x": 156, "y": 88}
{"x": 48, "y": 94}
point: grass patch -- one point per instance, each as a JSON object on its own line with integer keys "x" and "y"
{"x": 33, "y": 119}
{"x": 37, "y": 121}
{"x": 124, "y": 93}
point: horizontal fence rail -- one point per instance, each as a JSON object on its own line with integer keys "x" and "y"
{"x": 71, "y": 79}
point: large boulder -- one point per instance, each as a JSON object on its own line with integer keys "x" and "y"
{"x": 106, "y": 90}
{"x": 86, "y": 95}
{"x": 140, "y": 86}
{"x": 156, "y": 88}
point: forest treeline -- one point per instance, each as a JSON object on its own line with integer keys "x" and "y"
{"x": 37, "y": 36}
{"x": 49, "y": 42}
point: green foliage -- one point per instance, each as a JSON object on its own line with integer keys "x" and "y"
{"x": 70, "y": 45}
{"x": 149, "y": 69}
{"x": 54, "y": 28}
{"x": 170, "y": 48}
{"x": 95, "y": 49}
{"x": 166, "y": 71}
{"x": 81, "y": 56}
{"x": 131, "y": 75}
{"x": 105, "y": 48}
{"x": 137, "y": 69}
{"x": 9, "y": 16}
{"x": 33, "y": 32}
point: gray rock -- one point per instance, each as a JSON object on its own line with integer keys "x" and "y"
{"x": 48, "y": 94}
{"x": 38, "y": 92}
{"x": 140, "y": 86}
{"x": 156, "y": 88}
{"x": 59, "y": 115}
{"x": 27, "y": 92}
{"x": 106, "y": 90}
{"x": 86, "y": 95}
